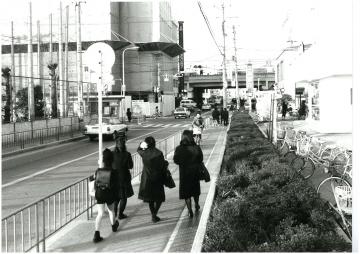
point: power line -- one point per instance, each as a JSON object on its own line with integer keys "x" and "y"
{"x": 209, "y": 27}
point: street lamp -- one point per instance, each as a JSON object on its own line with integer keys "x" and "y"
{"x": 123, "y": 69}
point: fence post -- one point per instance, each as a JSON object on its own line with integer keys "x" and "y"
{"x": 37, "y": 227}
{"x": 71, "y": 127}
{"x": 14, "y": 133}
{"x": 32, "y": 130}
{"x": 58, "y": 133}
{"x": 87, "y": 199}
{"x": 43, "y": 224}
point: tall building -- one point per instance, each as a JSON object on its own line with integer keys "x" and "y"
{"x": 148, "y": 71}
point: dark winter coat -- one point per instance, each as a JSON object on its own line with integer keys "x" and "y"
{"x": 188, "y": 157}
{"x": 225, "y": 115}
{"x": 122, "y": 164}
{"x": 153, "y": 174}
{"x": 216, "y": 114}
{"x": 105, "y": 196}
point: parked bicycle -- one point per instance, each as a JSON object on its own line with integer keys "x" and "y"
{"x": 336, "y": 190}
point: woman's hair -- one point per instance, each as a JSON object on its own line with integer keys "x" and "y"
{"x": 120, "y": 145}
{"x": 187, "y": 138}
{"x": 150, "y": 141}
{"x": 107, "y": 157}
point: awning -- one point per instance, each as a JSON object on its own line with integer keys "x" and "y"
{"x": 169, "y": 48}
{"x": 44, "y": 47}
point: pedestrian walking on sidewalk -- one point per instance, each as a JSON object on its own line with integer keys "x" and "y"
{"x": 216, "y": 115}
{"x": 221, "y": 116}
{"x": 104, "y": 194}
{"x": 128, "y": 114}
{"x": 122, "y": 164}
{"x": 151, "y": 188}
{"x": 284, "y": 109}
{"x": 225, "y": 117}
{"x": 189, "y": 156}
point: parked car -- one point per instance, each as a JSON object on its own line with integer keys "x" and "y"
{"x": 109, "y": 126}
{"x": 206, "y": 107}
{"x": 187, "y": 103}
{"x": 181, "y": 112}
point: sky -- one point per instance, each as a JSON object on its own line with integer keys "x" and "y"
{"x": 262, "y": 27}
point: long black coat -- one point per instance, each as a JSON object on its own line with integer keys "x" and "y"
{"x": 188, "y": 157}
{"x": 153, "y": 174}
{"x": 122, "y": 164}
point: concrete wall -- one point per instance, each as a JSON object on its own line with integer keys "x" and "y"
{"x": 167, "y": 105}
{"x": 335, "y": 104}
{"x": 10, "y": 128}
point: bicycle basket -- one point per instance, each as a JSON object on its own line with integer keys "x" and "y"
{"x": 343, "y": 195}
{"x": 281, "y": 134}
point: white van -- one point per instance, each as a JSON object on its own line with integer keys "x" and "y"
{"x": 187, "y": 103}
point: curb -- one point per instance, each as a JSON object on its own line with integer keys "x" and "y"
{"x": 34, "y": 148}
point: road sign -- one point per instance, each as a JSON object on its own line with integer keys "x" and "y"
{"x": 91, "y": 57}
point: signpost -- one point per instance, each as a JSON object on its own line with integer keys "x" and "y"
{"x": 100, "y": 57}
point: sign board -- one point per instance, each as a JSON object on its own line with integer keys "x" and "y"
{"x": 99, "y": 52}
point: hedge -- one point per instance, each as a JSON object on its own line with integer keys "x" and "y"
{"x": 263, "y": 206}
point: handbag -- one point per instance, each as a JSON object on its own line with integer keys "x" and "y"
{"x": 204, "y": 173}
{"x": 92, "y": 188}
{"x": 169, "y": 181}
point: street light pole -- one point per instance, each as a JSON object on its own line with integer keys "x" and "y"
{"x": 123, "y": 87}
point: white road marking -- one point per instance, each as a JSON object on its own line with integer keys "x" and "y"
{"x": 186, "y": 125}
{"x": 167, "y": 125}
{"x": 176, "y": 125}
{"x": 158, "y": 125}
{"x": 148, "y": 125}
{"x": 64, "y": 163}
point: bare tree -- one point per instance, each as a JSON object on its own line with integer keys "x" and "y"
{"x": 8, "y": 103}
{"x": 53, "y": 96}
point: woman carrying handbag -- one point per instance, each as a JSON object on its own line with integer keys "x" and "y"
{"x": 189, "y": 156}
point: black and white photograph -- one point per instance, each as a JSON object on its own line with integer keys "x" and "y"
{"x": 180, "y": 126}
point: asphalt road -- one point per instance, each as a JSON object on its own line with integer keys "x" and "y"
{"x": 30, "y": 176}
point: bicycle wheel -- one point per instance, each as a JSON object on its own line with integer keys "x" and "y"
{"x": 297, "y": 163}
{"x": 308, "y": 169}
{"x": 284, "y": 149}
{"x": 339, "y": 162}
{"x": 337, "y": 192}
{"x": 289, "y": 156}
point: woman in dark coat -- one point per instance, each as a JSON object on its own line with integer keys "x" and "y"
{"x": 188, "y": 156}
{"x": 122, "y": 165}
{"x": 151, "y": 188}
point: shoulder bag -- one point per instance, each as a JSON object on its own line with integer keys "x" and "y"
{"x": 203, "y": 173}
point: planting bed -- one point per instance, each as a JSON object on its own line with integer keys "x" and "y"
{"x": 262, "y": 205}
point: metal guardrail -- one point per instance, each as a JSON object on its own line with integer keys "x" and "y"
{"x": 28, "y": 228}
{"x": 38, "y": 136}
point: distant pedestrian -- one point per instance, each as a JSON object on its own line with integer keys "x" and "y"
{"x": 216, "y": 115}
{"x": 122, "y": 164}
{"x": 151, "y": 188}
{"x": 128, "y": 114}
{"x": 284, "y": 109}
{"x": 303, "y": 110}
{"x": 253, "y": 104}
{"x": 221, "y": 116}
{"x": 104, "y": 194}
{"x": 225, "y": 117}
{"x": 188, "y": 156}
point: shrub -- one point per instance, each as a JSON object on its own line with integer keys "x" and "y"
{"x": 263, "y": 205}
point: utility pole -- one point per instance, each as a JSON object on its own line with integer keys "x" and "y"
{"x": 31, "y": 108}
{"x": 236, "y": 73}
{"x": 224, "y": 61}
{"x": 51, "y": 40}
{"x": 66, "y": 76}
{"x": 12, "y": 86}
{"x": 61, "y": 73}
{"x": 41, "y": 83}
{"x": 79, "y": 60}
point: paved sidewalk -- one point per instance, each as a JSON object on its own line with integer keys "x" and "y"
{"x": 174, "y": 233}
{"x": 340, "y": 139}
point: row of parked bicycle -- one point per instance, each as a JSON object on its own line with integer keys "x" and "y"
{"x": 306, "y": 154}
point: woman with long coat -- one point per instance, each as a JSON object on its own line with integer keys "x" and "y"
{"x": 189, "y": 156}
{"x": 151, "y": 188}
{"x": 122, "y": 165}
